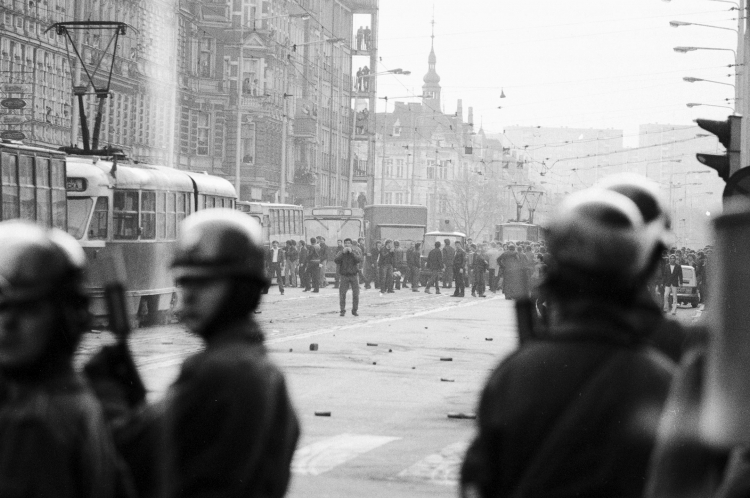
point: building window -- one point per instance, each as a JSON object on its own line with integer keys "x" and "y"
{"x": 442, "y": 203}
{"x": 442, "y": 170}
{"x": 388, "y": 166}
{"x": 204, "y": 57}
{"x": 399, "y": 198}
{"x": 389, "y": 198}
{"x": 204, "y": 127}
{"x": 399, "y": 172}
{"x": 431, "y": 169}
{"x": 248, "y": 143}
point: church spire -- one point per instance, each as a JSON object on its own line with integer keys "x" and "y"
{"x": 431, "y": 87}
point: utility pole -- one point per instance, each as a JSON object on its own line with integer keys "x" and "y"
{"x": 742, "y": 96}
{"x": 238, "y": 151}
{"x": 413, "y": 156}
{"x": 75, "y": 111}
{"x": 385, "y": 135}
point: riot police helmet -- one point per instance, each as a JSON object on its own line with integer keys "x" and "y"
{"x": 597, "y": 244}
{"x": 219, "y": 243}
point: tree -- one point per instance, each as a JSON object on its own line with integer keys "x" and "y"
{"x": 474, "y": 205}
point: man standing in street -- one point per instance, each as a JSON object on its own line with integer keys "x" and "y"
{"x": 459, "y": 262}
{"x": 434, "y": 267}
{"x": 313, "y": 265}
{"x": 375, "y": 267}
{"x": 323, "y": 252}
{"x": 479, "y": 267}
{"x": 671, "y": 278}
{"x": 363, "y": 265}
{"x": 276, "y": 264}
{"x": 414, "y": 261}
{"x": 304, "y": 281}
{"x": 339, "y": 248}
{"x": 492, "y": 255}
{"x": 448, "y": 254}
{"x": 348, "y": 261}
{"x": 292, "y": 255}
{"x": 385, "y": 263}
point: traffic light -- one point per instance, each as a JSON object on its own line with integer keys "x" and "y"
{"x": 728, "y": 132}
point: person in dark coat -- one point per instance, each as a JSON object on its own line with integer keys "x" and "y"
{"x": 448, "y": 254}
{"x": 304, "y": 281}
{"x": 574, "y": 410}
{"x": 434, "y": 267}
{"x": 54, "y": 440}
{"x": 314, "y": 265}
{"x": 479, "y": 267}
{"x": 348, "y": 261}
{"x": 514, "y": 274}
{"x": 386, "y": 260}
{"x": 414, "y": 261}
{"x": 324, "y": 257}
{"x": 671, "y": 278}
{"x": 226, "y": 426}
{"x": 459, "y": 262}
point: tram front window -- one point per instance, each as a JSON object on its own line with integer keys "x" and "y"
{"x": 79, "y": 209}
{"x": 98, "y": 227}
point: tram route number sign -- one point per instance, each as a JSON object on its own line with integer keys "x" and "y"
{"x": 12, "y": 135}
{"x": 13, "y": 103}
{"x": 73, "y": 184}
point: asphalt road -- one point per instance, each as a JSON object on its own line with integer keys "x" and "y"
{"x": 375, "y": 396}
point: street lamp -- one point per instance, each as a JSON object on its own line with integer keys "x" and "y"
{"x": 691, "y": 79}
{"x": 677, "y": 24}
{"x": 684, "y": 50}
{"x": 695, "y": 104}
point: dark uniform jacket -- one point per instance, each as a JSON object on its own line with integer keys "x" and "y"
{"x": 348, "y": 262}
{"x": 448, "y": 254}
{"x": 435, "y": 260}
{"x": 54, "y": 442}
{"x": 459, "y": 261}
{"x": 413, "y": 258}
{"x": 302, "y": 255}
{"x": 225, "y": 428}
{"x": 575, "y": 414}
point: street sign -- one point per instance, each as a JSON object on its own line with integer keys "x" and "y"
{"x": 12, "y": 135}
{"x": 12, "y": 119}
{"x": 13, "y": 103}
{"x": 15, "y": 87}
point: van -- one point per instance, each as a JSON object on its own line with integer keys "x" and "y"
{"x": 687, "y": 293}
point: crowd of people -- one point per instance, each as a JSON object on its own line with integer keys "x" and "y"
{"x": 601, "y": 397}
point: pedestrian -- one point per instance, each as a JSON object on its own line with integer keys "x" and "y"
{"x": 414, "y": 261}
{"x": 275, "y": 257}
{"x": 671, "y": 278}
{"x": 339, "y": 248}
{"x": 348, "y": 260}
{"x": 323, "y": 261}
{"x": 291, "y": 263}
{"x": 360, "y": 244}
{"x": 434, "y": 267}
{"x": 448, "y": 254}
{"x": 479, "y": 267}
{"x": 565, "y": 414}
{"x": 54, "y": 440}
{"x": 401, "y": 275}
{"x": 313, "y": 265}
{"x": 492, "y": 254}
{"x": 459, "y": 263}
{"x": 365, "y": 79}
{"x": 360, "y": 37}
{"x": 385, "y": 263}
{"x": 368, "y": 38}
{"x": 359, "y": 89}
{"x": 226, "y": 426}
{"x": 514, "y": 274}
{"x": 304, "y": 281}
{"x": 700, "y": 275}
{"x": 375, "y": 268}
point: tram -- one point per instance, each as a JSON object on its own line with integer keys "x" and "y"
{"x": 280, "y": 222}
{"x": 133, "y": 212}
{"x": 514, "y": 231}
{"x": 33, "y": 184}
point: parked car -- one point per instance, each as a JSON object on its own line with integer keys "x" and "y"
{"x": 687, "y": 293}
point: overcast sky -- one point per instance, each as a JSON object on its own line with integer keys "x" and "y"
{"x": 575, "y": 63}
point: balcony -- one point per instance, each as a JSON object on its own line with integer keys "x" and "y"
{"x": 362, "y": 5}
{"x": 305, "y": 127}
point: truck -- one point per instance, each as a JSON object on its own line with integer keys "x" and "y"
{"x": 399, "y": 222}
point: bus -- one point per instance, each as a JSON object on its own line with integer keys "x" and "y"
{"x": 280, "y": 222}
{"x": 518, "y": 231}
{"x": 33, "y": 184}
{"x": 133, "y": 212}
{"x": 334, "y": 223}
